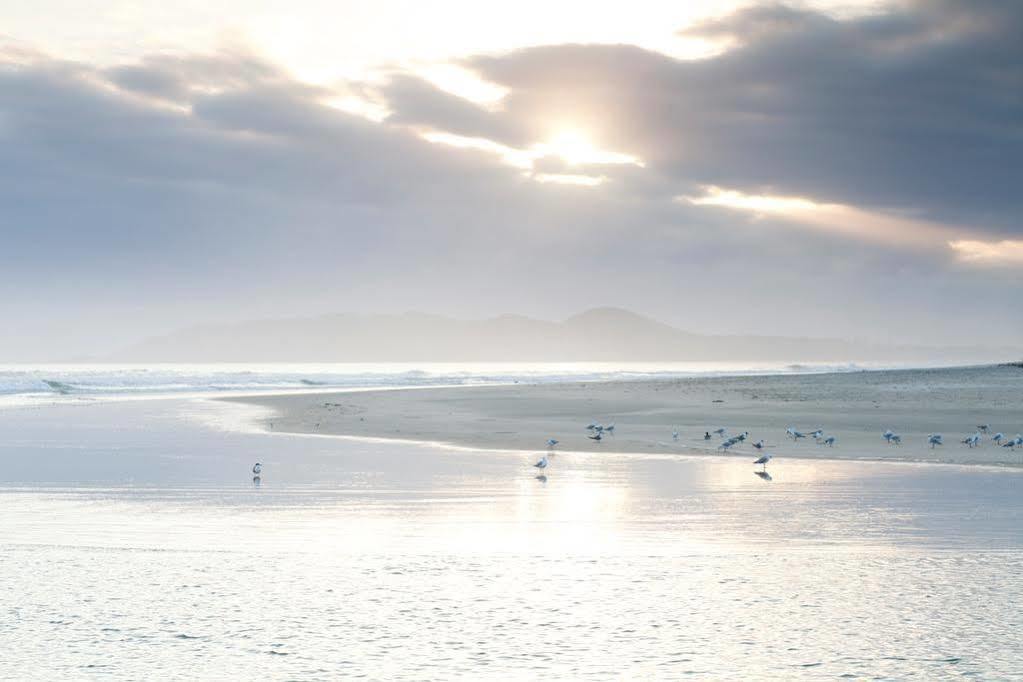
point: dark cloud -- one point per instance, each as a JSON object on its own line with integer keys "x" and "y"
{"x": 919, "y": 107}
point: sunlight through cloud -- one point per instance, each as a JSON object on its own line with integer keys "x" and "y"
{"x": 996, "y": 253}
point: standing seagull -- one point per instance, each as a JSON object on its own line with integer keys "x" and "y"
{"x": 888, "y": 435}
{"x": 610, "y": 428}
{"x": 720, "y": 432}
{"x": 542, "y": 464}
{"x": 551, "y": 442}
{"x": 674, "y": 435}
{"x": 934, "y": 439}
{"x": 983, "y": 427}
{"x": 763, "y": 459}
{"x": 596, "y": 436}
{"x": 997, "y": 438}
{"x": 257, "y": 468}
{"x": 829, "y": 441}
{"x": 793, "y": 434}
{"x": 759, "y": 445}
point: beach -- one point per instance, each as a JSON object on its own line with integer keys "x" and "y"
{"x": 855, "y": 407}
{"x": 135, "y": 542}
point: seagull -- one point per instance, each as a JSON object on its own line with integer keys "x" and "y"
{"x": 817, "y": 434}
{"x": 759, "y": 445}
{"x": 706, "y": 435}
{"x": 674, "y": 435}
{"x": 793, "y": 434}
{"x": 610, "y": 428}
{"x": 934, "y": 439}
{"x": 542, "y": 464}
{"x": 895, "y": 439}
{"x": 720, "y": 432}
{"x": 591, "y": 426}
{"x": 829, "y": 441}
{"x": 256, "y": 468}
{"x": 551, "y": 442}
{"x": 741, "y": 438}
{"x": 983, "y": 427}
{"x": 595, "y": 436}
{"x": 997, "y": 438}
{"x": 972, "y": 440}
{"x": 727, "y": 444}
{"x": 888, "y": 435}
{"x": 763, "y": 459}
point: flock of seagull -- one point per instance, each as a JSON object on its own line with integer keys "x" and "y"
{"x": 598, "y": 431}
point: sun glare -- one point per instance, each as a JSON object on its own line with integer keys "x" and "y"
{"x": 575, "y": 149}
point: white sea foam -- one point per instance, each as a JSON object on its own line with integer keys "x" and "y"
{"x": 21, "y": 384}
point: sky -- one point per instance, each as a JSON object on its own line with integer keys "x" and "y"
{"x": 830, "y": 169}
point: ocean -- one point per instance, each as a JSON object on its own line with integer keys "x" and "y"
{"x": 135, "y": 542}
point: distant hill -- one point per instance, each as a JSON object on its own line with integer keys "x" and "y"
{"x": 601, "y": 334}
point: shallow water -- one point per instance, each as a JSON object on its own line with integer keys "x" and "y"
{"x": 134, "y": 544}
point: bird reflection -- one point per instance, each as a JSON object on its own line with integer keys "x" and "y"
{"x": 542, "y": 478}
{"x": 763, "y": 475}
{"x": 257, "y": 481}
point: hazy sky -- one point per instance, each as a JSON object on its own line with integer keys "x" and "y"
{"x": 824, "y": 169}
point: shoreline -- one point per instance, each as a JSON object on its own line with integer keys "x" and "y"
{"x": 855, "y": 407}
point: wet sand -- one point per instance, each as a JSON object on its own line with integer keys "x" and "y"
{"x": 854, "y": 407}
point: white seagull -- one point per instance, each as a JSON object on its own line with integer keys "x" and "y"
{"x": 983, "y": 427}
{"x": 1014, "y": 442}
{"x": 793, "y": 434}
{"x": 972, "y": 441}
{"x": 888, "y": 435}
{"x": 763, "y": 459}
{"x": 934, "y": 439}
{"x": 759, "y": 445}
{"x": 719, "y": 432}
{"x": 551, "y": 442}
{"x": 256, "y": 468}
{"x": 674, "y": 435}
{"x": 542, "y": 464}
{"x": 997, "y": 438}
{"x": 895, "y": 439}
{"x": 829, "y": 441}
{"x": 596, "y": 436}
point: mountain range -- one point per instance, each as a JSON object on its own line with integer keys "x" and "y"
{"x": 600, "y": 334}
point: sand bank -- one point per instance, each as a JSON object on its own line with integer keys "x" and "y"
{"x": 854, "y": 407}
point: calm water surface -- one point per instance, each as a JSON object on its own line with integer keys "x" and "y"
{"x": 134, "y": 544}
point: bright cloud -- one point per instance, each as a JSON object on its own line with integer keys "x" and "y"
{"x": 876, "y": 226}
{"x": 569, "y": 148}
{"x": 1005, "y": 252}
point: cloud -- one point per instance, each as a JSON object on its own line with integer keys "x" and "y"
{"x": 147, "y": 196}
{"x": 917, "y": 107}
{"x": 1007, "y": 252}
{"x": 875, "y": 226}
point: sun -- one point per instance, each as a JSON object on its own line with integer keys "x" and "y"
{"x": 575, "y": 149}
{"x": 572, "y": 147}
